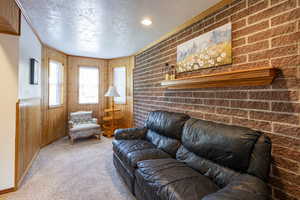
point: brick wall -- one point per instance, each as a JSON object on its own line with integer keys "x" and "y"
{"x": 265, "y": 33}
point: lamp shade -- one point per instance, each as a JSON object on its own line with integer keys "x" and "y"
{"x": 112, "y": 92}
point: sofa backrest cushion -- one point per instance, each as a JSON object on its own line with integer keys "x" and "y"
{"x": 165, "y": 130}
{"x": 164, "y": 143}
{"x": 219, "y": 174}
{"x": 165, "y": 123}
{"x": 226, "y": 145}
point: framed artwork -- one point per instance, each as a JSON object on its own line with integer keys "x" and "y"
{"x": 208, "y": 50}
{"x": 34, "y": 71}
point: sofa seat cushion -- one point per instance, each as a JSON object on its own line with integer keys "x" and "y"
{"x": 83, "y": 127}
{"x": 132, "y": 151}
{"x": 173, "y": 180}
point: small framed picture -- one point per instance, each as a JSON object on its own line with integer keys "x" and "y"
{"x": 34, "y": 71}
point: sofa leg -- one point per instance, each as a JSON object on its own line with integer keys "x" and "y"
{"x": 71, "y": 141}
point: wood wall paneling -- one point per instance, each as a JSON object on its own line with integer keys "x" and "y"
{"x": 127, "y": 108}
{"x": 28, "y": 138}
{"x": 9, "y": 17}
{"x": 73, "y": 84}
{"x": 54, "y": 119}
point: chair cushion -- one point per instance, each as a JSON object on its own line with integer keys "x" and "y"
{"x": 172, "y": 180}
{"x": 83, "y": 127}
{"x": 229, "y": 146}
{"x": 132, "y": 151}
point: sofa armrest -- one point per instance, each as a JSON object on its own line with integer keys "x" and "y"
{"x": 244, "y": 187}
{"x": 130, "y": 133}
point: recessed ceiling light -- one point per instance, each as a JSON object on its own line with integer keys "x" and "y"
{"x": 146, "y": 22}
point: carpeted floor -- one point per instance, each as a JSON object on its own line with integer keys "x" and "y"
{"x": 83, "y": 171}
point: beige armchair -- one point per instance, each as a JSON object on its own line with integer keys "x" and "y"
{"x": 83, "y": 125}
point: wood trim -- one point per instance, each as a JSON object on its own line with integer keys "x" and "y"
{"x": 17, "y": 141}
{"x": 27, "y": 169}
{"x": 13, "y": 189}
{"x": 23, "y": 12}
{"x": 190, "y": 22}
{"x": 249, "y": 77}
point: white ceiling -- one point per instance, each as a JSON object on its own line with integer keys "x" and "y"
{"x": 107, "y": 28}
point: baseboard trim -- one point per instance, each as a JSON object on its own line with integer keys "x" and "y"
{"x": 27, "y": 169}
{"x": 13, "y": 189}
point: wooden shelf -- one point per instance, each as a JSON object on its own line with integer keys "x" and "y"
{"x": 109, "y": 118}
{"x": 249, "y": 77}
{"x": 110, "y": 110}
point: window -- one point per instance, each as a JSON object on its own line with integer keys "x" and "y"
{"x": 55, "y": 83}
{"x": 88, "y": 85}
{"x": 120, "y": 83}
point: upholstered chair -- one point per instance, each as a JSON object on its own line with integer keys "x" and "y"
{"x": 83, "y": 125}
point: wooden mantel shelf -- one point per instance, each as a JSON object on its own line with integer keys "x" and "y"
{"x": 249, "y": 77}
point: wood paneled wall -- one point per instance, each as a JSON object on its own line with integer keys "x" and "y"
{"x": 54, "y": 119}
{"x": 9, "y": 17}
{"x": 127, "y": 108}
{"x": 73, "y": 84}
{"x": 29, "y": 124}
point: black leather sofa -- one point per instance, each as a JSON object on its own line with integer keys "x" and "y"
{"x": 177, "y": 158}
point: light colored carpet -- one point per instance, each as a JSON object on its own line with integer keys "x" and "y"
{"x": 83, "y": 171}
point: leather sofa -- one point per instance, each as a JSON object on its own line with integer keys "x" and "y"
{"x": 175, "y": 157}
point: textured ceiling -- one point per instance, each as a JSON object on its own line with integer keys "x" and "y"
{"x": 107, "y": 28}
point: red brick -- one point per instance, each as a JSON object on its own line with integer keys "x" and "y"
{"x": 206, "y": 109}
{"x": 216, "y": 102}
{"x": 240, "y": 59}
{"x": 290, "y": 4}
{"x": 286, "y": 152}
{"x": 286, "y": 107}
{"x": 250, "y": 48}
{"x": 293, "y": 131}
{"x": 232, "y": 95}
{"x": 197, "y": 115}
{"x": 252, "y": 9}
{"x": 279, "y": 194}
{"x": 217, "y": 118}
{"x": 250, "y": 29}
{"x": 231, "y": 10}
{"x": 287, "y": 28}
{"x": 275, "y": 117}
{"x": 232, "y": 112}
{"x": 239, "y": 42}
{"x": 257, "y": 105}
{"x": 286, "y": 175}
{"x": 286, "y": 39}
{"x": 288, "y": 16}
{"x": 286, "y": 61}
{"x": 273, "y": 53}
{"x": 286, "y": 186}
{"x": 275, "y": 95}
{"x": 204, "y": 94}
{"x": 239, "y": 24}
{"x": 286, "y": 164}
{"x": 276, "y": 1}
{"x": 258, "y": 125}
{"x": 291, "y": 83}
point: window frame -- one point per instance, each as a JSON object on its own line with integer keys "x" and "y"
{"x": 113, "y": 83}
{"x": 78, "y": 84}
{"x": 62, "y": 103}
